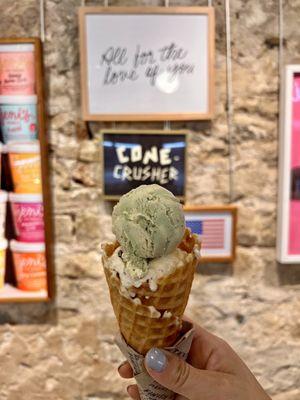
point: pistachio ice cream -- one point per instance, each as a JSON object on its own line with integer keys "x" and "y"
{"x": 149, "y": 268}
{"x": 148, "y": 223}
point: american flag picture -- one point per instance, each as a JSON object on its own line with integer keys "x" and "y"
{"x": 216, "y": 227}
{"x": 211, "y": 232}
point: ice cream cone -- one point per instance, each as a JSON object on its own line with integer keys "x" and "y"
{"x": 150, "y": 318}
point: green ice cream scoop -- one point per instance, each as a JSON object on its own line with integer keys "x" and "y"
{"x": 148, "y": 223}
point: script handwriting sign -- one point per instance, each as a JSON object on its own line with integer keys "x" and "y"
{"x": 113, "y": 57}
{"x": 121, "y": 67}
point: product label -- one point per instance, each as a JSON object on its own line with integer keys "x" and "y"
{"x": 29, "y": 221}
{"x": 17, "y": 73}
{"x": 18, "y": 122}
{"x": 26, "y": 172}
{"x": 30, "y": 271}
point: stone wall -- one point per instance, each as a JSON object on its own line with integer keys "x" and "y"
{"x": 65, "y": 351}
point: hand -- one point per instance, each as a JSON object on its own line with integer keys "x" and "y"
{"x": 213, "y": 371}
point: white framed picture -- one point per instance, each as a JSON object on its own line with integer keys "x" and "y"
{"x": 288, "y": 232}
{"x": 146, "y": 63}
{"x": 216, "y": 227}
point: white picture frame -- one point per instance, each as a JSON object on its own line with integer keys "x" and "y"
{"x": 217, "y": 230}
{"x": 118, "y": 84}
{"x": 288, "y": 233}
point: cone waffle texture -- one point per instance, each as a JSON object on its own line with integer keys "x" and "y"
{"x": 152, "y": 318}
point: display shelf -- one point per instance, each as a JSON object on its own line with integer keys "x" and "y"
{"x": 10, "y": 293}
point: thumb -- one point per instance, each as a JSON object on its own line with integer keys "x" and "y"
{"x": 177, "y": 375}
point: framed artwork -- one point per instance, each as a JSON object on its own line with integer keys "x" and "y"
{"x": 26, "y": 268}
{"x": 147, "y": 63}
{"x": 135, "y": 157}
{"x": 288, "y": 235}
{"x": 216, "y": 226}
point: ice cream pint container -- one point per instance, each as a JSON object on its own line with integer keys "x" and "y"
{"x": 25, "y": 164}
{"x": 3, "y": 201}
{"x": 28, "y": 216}
{"x": 30, "y": 265}
{"x": 17, "y": 72}
{"x": 3, "y": 247}
{"x": 18, "y": 118}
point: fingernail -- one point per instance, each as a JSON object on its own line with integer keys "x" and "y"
{"x": 156, "y": 359}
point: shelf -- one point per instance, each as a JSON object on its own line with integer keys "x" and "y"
{"x": 10, "y": 293}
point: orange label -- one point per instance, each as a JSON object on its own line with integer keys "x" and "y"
{"x": 26, "y": 172}
{"x": 30, "y": 271}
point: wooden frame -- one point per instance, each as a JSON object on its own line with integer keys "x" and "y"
{"x": 39, "y": 74}
{"x": 215, "y": 210}
{"x": 140, "y": 132}
{"x": 209, "y": 11}
{"x": 287, "y": 206}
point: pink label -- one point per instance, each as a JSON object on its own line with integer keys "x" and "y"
{"x": 17, "y": 73}
{"x": 29, "y": 221}
{"x": 294, "y": 226}
{"x": 22, "y": 114}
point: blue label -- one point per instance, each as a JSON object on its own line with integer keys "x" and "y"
{"x": 18, "y": 122}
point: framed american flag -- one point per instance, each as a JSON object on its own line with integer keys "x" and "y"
{"x": 216, "y": 226}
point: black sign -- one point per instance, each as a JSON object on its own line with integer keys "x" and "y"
{"x": 134, "y": 158}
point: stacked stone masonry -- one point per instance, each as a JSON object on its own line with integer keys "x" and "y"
{"x": 66, "y": 350}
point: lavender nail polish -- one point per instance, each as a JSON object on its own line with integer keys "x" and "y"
{"x": 156, "y": 359}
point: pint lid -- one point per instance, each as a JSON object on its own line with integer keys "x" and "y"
{"x": 24, "y": 197}
{"x": 18, "y": 99}
{"x": 3, "y": 196}
{"x": 15, "y": 48}
{"x": 23, "y": 147}
{"x": 3, "y": 244}
{"x": 23, "y": 247}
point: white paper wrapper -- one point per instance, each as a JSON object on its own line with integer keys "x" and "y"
{"x": 148, "y": 388}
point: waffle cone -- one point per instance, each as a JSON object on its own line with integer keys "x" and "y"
{"x": 152, "y": 318}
